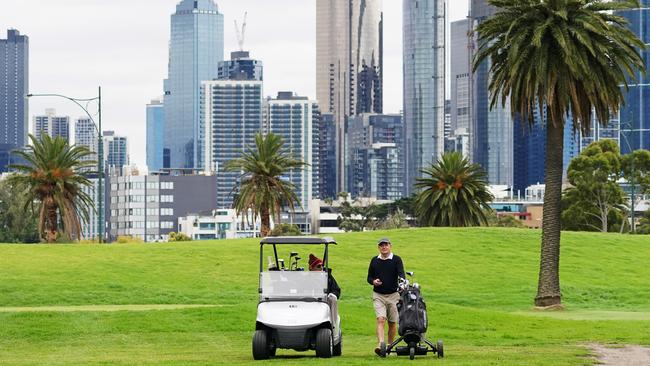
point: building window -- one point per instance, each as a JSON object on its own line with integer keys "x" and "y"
{"x": 167, "y": 225}
{"x": 166, "y": 212}
{"x": 166, "y": 198}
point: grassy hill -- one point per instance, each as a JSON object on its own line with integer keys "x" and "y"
{"x": 130, "y": 304}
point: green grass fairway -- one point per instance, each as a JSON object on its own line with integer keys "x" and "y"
{"x": 195, "y": 303}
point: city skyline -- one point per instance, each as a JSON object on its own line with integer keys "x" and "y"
{"x": 130, "y": 83}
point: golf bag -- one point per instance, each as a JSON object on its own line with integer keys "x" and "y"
{"x": 412, "y": 312}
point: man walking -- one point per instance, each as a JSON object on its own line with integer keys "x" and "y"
{"x": 383, "y": 273}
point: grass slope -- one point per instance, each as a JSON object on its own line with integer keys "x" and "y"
{"x": 74, "y": 304}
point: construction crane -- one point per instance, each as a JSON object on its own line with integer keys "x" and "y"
{"x": 241, "y": 33}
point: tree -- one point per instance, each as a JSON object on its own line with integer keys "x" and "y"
{"x": 594, "y": 175}
{"x": 579, "y": 214}
{"x": 454, "y": 192}
{"x": 263, "y": 189}
{"x": 636, "y": 171}
{"x": 644, "y": 224}
{"x": 53, "y": 177}
{"x": 559, "y": 56}
{"x": 395, "y": 220}
{"x": 286, "y": 230}
{"x": 17, "y": 224}
{"x": 354, "y": 216}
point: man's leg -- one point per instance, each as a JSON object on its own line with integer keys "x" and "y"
{"x": 381, "y": 321}
{"x": 392, "y": 331}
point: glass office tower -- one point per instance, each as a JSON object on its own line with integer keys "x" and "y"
{"x": 349, "y": 64}
{"x": 424, "y": 84}
{"x": 155, "y": 134}
{"x": 14, "y": 84}
{"x": 634, "y": 117}
{"x": 195, "y": 50}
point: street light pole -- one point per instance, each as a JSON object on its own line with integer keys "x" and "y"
{"x": 100, "y": 152}
{"x": 632, "y": 178}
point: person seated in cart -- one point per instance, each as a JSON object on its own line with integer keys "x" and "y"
{"x": 333, "y": 289}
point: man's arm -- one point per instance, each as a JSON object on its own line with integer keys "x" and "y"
{"x": 371, "y": 273}
{"x": 400, "y": 268}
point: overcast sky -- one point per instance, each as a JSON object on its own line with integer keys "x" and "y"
{"x": 122, "y": 45}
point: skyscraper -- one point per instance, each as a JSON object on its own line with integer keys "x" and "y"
{"x": 155, "y": 134}
{"x": 327, "y": 156}
{"x": 52, "y": 125}
{"x": 349, "y": 63}
{"x": 116, "y": 150}
{"x": 241, "y": 67}
{"x": 376, "y": 156}
{"x": 295, "y": 119}
{"x": 85, "y": 134}
{"x": 231, "y": 116}
{"x": 634, "y": 118}
{"x": 424, "y": 84}
{"x": 14, "y": 85}
{"x": 195, "y": 50}
{"x": 461, "y": 100}
{"x": 491, "y": 129}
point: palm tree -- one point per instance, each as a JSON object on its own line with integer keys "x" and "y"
{"x": 454, "y": 193}
{"x": 564, "y": 56}
{"x": 262, "y": 189}
{"x": 53, "y": 179}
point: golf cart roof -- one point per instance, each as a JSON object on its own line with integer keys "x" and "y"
{"x": 297, "y": 240}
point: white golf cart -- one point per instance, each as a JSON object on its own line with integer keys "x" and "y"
{"x": 293, "y": 312}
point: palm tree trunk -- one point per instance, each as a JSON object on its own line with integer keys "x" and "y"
{"x": 548, "y": 288}
{"x": 265, "y": 219}
{"x": 51, "y": 225}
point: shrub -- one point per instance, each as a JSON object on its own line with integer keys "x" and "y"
{"x": 178, "y": 237}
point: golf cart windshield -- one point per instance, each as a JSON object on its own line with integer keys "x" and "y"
{"x": 278, "y": 285}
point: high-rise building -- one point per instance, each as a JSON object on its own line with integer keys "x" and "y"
{"x": 634, "y": 120}
{"x": 231, "y": 116}
{"x": 116, "y": 150}
{"x": 491, "y": 129}
{"x": 296, "y": 119}
{"x": 52, "y": 125}
{"x": 529, "y": 159}
{"x": 85, "y": 134}
{"x": 155, "y": 134}
{"x": 195, "y": 50}
{"x": 376, "y": 156}
{"x": 424, "y": 84}
{"x": 597, "y": 132}
{"x": 14, "y": 85}
{"x": 241, "y": 67}
{"x": 327, "y": 156}
{"x": 461, "y": 101}
{"x": 349, "y": 63}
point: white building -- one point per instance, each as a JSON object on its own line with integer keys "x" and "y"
{"x": 220, "y": 224}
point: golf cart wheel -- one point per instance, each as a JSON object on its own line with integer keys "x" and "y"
{"x": 382, "y": 349}
{"x": 261, "y": 347}
{"x": 412, "y": 353}
{"x": 440, "y": 349}
{"x": 324, "y": 346}
{"x": 338, "y": 349}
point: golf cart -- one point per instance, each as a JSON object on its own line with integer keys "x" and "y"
{"x": 293, "y": 311}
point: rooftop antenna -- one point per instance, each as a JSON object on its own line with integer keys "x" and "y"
{"x": 241, "y": 33}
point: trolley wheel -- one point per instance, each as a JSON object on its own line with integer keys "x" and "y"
{"x": 440, "y": 349}
{"x": 412, "y": 353}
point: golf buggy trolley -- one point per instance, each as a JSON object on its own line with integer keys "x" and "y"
{"x": 293, "y": 310}
{"x": 412, "y": 325}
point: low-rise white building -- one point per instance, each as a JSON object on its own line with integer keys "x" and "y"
{"x": 220, "y": 224}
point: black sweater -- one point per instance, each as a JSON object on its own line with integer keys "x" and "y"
{"x": 388, "y": 271}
